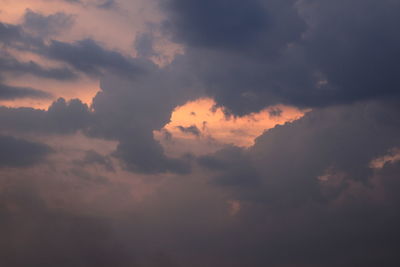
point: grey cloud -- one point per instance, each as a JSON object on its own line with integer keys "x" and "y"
{"x": 14, "y": 35}
{"x": 86, "y": 55}
{"x": 89, "y": 57}
{"x": 59, "y": 238}
{"x": 45, "y": 26}
{"x": 98, "y": 234}
{"x": 232, "y": 167}
{"x": 145, "y": 155}
{"x": 93, "y": 157}
{"x": 8, "y": 92}
{"x": 129, "y": 110}
{"x": 126, "y": 110}
{"x": 190, "y": 130}
{"x": 300, "y": 219}
{"x": 308, "y": 53}
{"x": 358, "y": 230}
{"x": 107, "y": 4}
{"x": 9, "y": 33}
{"x": 103, "y": 4}
{"x": 290, "y": 158}
{"x": 21, "y": 153}
{"x": 11, "y": 65}
{"x": 306, "y": 194}
{"x": 144, "y": 45}
{"x": 357, "y": 52}
{"x": 263, "y": 27}
{"x": 62, "y": 117}
{"x": 275, "y": 112}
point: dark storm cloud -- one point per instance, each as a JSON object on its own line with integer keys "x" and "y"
{"x": 130, "y": 109}
{"x": 304, "y": 195}
{"x": 233, "y": 168}
{"x": 263, "y": 27}
{"x": 332, "y": 140}
{"x": 308, "y": 53}
{"x": 309, "y": 182}
{"x": 356, "y": 51}
{"x": 21, "y": 153}
{"x": 8, "y": 92}
{"x": 145, "y": 155}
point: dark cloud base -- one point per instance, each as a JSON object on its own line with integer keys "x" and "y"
{"x": 21, "y": 153}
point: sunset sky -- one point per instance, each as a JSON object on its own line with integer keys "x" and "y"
{"x": 199, "y": 133}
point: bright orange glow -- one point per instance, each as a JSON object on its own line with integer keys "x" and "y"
{"x": 213, "y": 125}
{"x": 84, "y": 89}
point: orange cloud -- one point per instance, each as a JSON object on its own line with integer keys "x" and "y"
{"x": 199, "y": 122}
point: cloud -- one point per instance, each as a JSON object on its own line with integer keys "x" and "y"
{"x": 103, "y": 4}
{"x": 62, "y": 117}
{"x": 44, "y": 26}
{"x": 308, "y": 54}
{"x": 93, "y": 157}
{"x": 15, "y": 36}
{"x": 190, "y": 130}
{"x": 89, "y": 57}
{"x": 21, "y": 153}
{"x": 234, "y": 25}
{"x": 279, "y": 181}
{"x": 86, "y": 56}
{"x": 130, "y": 109}
{"x": 8, "y": 92}
{"x": 9, "y": 64}
{"x": 144, "y": 45}
{"x": 289, "y": 158}
{"x": 306, "y": 190}
{"x": 107, "y": 4}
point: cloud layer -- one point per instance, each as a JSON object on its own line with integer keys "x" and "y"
{"x": 87, "y": 184}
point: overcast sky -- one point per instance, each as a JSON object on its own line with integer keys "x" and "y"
{"x": 218, "y": 133}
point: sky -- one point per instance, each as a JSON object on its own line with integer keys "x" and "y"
{"x": 175, "y": 133}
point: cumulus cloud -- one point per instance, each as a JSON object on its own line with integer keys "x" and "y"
{"x": 62, "y": 117}
{"x": 130, "y": 109}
